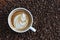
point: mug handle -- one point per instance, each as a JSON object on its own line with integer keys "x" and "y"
{"x": 33, "y": 29}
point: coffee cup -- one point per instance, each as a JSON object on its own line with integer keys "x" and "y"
{"x": 20, "y": 20}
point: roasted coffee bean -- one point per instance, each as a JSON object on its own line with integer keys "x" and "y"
{"x": 46, "y": 16}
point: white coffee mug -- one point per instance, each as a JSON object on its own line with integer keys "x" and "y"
{"x": 10, "y": 24}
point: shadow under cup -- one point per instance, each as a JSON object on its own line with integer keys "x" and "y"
{"x": 15, "y": 13}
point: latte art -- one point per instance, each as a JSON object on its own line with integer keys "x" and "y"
{"x": 21, "y": 21}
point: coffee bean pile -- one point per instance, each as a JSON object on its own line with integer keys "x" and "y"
{"x": 46, "y": 14}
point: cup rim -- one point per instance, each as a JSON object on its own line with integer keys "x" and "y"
{"x": 9, "y": 19}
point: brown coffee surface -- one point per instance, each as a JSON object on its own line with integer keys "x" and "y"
{"x": 28, "y": 18}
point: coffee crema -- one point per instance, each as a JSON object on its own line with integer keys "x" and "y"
{"x": 21, "y": 20}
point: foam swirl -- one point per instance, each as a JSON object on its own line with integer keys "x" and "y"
{"x": 20, "y": 21}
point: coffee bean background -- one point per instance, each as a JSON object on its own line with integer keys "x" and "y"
{"x": 46, "y": 14}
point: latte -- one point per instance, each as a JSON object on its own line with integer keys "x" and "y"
{"x": 21, "y": 20}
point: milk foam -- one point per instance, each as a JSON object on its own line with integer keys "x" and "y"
{"x": 20, "y": 21}
{"x": 23, "y": 17}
